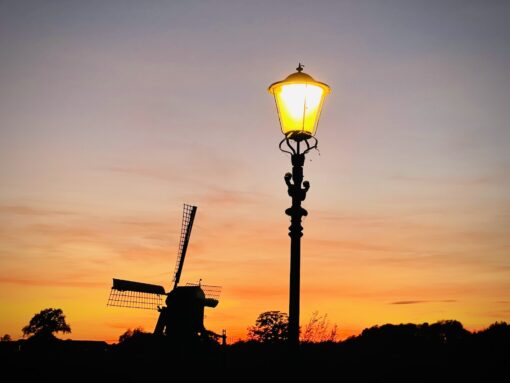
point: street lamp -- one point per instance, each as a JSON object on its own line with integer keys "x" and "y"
{"x": 299, "y": 99}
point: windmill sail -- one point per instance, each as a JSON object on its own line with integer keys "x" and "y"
{"x": 135, "y": 295}
{"x": 188, "y": 215}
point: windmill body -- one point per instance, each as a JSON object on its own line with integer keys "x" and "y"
{"x": 181, "y": 318}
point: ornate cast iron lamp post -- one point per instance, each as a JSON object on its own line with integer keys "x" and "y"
{"x": 299, "y": 99}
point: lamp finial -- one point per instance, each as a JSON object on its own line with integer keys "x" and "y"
{"x": 300, "y": 67}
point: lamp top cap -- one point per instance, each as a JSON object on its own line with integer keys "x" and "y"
{"x": 299, "y": 77}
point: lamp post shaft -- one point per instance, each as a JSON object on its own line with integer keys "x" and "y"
{"x": 294, "y": 183}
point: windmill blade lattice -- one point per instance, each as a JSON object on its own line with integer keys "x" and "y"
{"x": 188, "y": 216}
{"x": 136, "y": 295}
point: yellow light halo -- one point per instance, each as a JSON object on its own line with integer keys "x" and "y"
{"x": 299, "y": 99}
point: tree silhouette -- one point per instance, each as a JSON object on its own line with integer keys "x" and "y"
{"x": 498, "y": 331}
{"x": 449, "y": 331}
{"x": 47, "y": 322}
{"x": 5, "y": 338}
{"x": 270, "y": 327}
{"x": 130, "y": 334}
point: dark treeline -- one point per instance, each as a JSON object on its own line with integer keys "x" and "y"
{"x": 407, "y": 352}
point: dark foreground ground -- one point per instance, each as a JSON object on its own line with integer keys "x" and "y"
{"x": 405, "y": 353}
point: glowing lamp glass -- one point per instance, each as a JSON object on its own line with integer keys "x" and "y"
{"x": 299, "y": 99}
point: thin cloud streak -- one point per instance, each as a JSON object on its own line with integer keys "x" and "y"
{"x": 28, "y": 210}
{"x": 49, "y": 282}
{"x": 220, "y": 197}
{"x": 422, "y": 301}
{"x": 167, "y": 175}
{"x": 467, "y": 181}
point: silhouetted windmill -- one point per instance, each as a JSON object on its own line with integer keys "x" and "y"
{"x": 183, "y": 316}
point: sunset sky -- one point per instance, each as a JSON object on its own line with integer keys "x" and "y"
{"x": 115, "y": 113}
